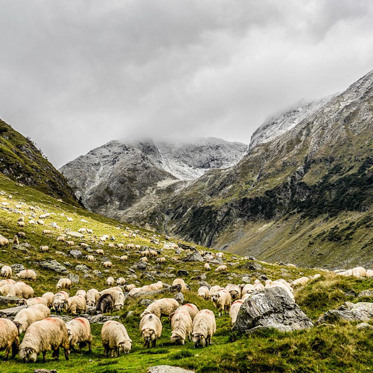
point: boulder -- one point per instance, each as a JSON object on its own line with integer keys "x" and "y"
{"x": 179, "y": 297}
{"x": 74, "y": 278}
{"x": 75, "y": 254}
{"x": 364, "y": 325}
{"x": 75, "y": 234}
{"x": 10, "y": 313}
{"x": 17, "y": 268}
{"x": 168, "y": 369}
{"x": 54, "y": 266}
{"x": 182, "y": 272}
{"x": 361, "y": 311}
{"x": 366, "y": 294}
{"x": 193, "y": 257}
{"x": 82, "y": 268}
{"x": 272, "y": 308}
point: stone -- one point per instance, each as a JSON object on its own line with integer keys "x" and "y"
{"x": 251, "y": 266}
{"x": 75, "y": 254}
{"x": 145, "y": 302}
{"x": 10, "y": 313}
{"x": 97, "y": 273}
{"x": 54, "y": 266}
{"x": 246, "y": 279}
{"x": 182, "y": 272}
{"x": 82, "y": 268}
{"x": 364, "y": 325}
{"x": 8, "y": 301}
{"x": 141, "y": 266}
{"x": 272, "y": 308}
{"x": 193, "y": 257}
{"x": 17, "y": 268}
{"x": 361, "y": 311}
{"x": 168, "y": 369}
{"x": 74, "y": 278}
{"x": 101, "y": 319}
{"x": 75, "y": 234}
{"x": 45, "y": 371}
{"x": 366, "y": 294}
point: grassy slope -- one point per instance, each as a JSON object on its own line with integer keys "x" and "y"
{"x": 338, "y": 349}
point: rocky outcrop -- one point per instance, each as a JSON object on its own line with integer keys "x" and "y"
{"x": 361, "y": 311}
{"x": 168, "y": 369}
{"x": 272, "y": 308}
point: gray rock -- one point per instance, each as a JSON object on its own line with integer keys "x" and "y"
{"x": 75, "y": 234}
{"x": 17, "y": 268}
{"x": 168, "y": 369}
{"x": 82, "y": 268}
{"x": 366, "y": 293}
{"x": 145, "y": 302}
{"x": 141, "y": 266}
{"x": 74, "y": 278}
{"x": 10, "y": 313}
{"x": 364, "y": 325}
{"x": 193, "y": 257}
{"x": 251, "y": 266}
{"x": 88, "y": 275}
{"x": 361, "y": 311}
{"x": 75, "y": 254}
{"x": 67, "y": 264}
{"x": 272, "y": 308}
{"x": 100, "y": 319}
{"x": 8, "y": 301}
{"x": 203, "y": 277}
{"x": 97, "y": 273}
{"x": 246, "y": 279}
{"x": 45, "y": 371}
{"x": 182, "y": 272}
{"x": 54, "y": 266}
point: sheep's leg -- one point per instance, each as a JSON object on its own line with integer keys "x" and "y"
{"x": 56, "y": 353}
{"x": 67, "y": 354}
{"x": 106, "y": 350}
{"x": 154, "y": 343}
{"x": 6, "y": 353}
{"x": 44, "y": 355}
{"x": 89, "y": 347}
{"x": 15, "y": 348}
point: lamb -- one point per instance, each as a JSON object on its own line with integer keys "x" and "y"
{"x": 28, "y": 316}
{"x": 60, "y": 301}
{"x": 204, "y": 327}
{"x": 9, "y": 339}
{"x": 222, "y": 268}
{"x": 115, "y": 339}
{"x": 105, "y": 304}
{"x": 110, "y": 281}
{"x": 79, "y": 331}
{"x": 76, "y": 304}
{"x": 90, "y": 258}
{"x": 6, "y": 271}
{"x": 222, "y": 300}
{"x": 121, "y": 281}
{"x": 107, "y": 264}
{"x": 233, "y": 312}
{"x": 92, "y": 297}
{"x": 181, "y": 282}
{"x": 3, "y": 241}
{"x": 204, "y": 292}
{"x": 151, "y": 329}
{"x": 182, "y": 325}
{"x": 63, "y": 283}
{"x": 159, "y": 307}
{"x": 48, "y": 296}
{"x": 27, "y": 274}
{"x": 234, "y": 291}
{"x": 42, "y": 336}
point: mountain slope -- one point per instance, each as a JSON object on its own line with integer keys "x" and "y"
{"x": 317, "y": 170}
{"x": 22, "y": 161}
{"x": 121, "y": 179}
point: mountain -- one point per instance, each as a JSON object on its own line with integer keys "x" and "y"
{"x": 21, "y": 161}
{"x": 121, "y": 179}
{"x": 305, "y": 195}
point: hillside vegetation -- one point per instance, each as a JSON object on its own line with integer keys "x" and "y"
{"x": 325, "y": 348}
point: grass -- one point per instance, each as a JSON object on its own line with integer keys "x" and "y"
{"x": 330, "y": 348}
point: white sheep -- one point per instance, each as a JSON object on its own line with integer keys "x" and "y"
{"x": 204, "y": 327}
{"x": 63, "y": 283}
{"x": 123, "y": 258}
{"x": 222, "y": 300}
{"x": 82, "y": 293}
{"x": 162, "y": 307}
{"x": 182, "y": 325}
{"x": 38, "y": 300}
{"x": 300, "y": 281}
{"x": 214, "y": 289}
{"x": 42, "y": 336}
{"x": 121, "y": 281}
{"x": 207, "y": 267}
{"x": 204, "y": 292}
{"x": 44, "y": 249}
{"x": 92, "y": 297}
{"x": 110, "y": 281}
{"x": 107, "y": 264}
{"x": 181, "y": 282}
{"x": 28, "y": 316}
{"x": 76, "y": 304}
{"x": 3, "y": 241}
{"x": 9, "y": 339}
{"x": 234, "y": 291}
{"x": 60, "y": 301}
{"x": 48, "y": 296}
{"x": 90, "y": 258}
{"x": 6, "y": 271}
{"x": 27, "y": 274}
{"x": 118, "y": 296}
{"x": 191, "y": 308}
{"x": 79, "y": 331}
{"x": 222, "y": 268}
{"x": 115, "y": 339}
{"x": 151, "y": 329}
{"x": 235, "y": 308}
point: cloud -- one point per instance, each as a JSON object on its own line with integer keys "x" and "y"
{"x": 74, "y": 75}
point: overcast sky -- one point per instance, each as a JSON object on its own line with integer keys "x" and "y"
{"x": 76, "y": 74}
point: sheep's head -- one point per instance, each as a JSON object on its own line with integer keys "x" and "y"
{"x": 234, "y": 294}
{"x": 125, "y": 347}
{"x": 199, "y": 340}
{"x": 28, "y": 354}
{"x": 215, "y": 297}
{"x": 148, "y": 334}
{"x": 177, "y": 339}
